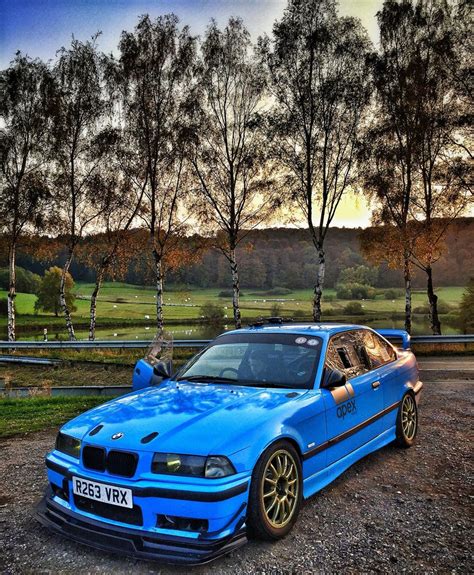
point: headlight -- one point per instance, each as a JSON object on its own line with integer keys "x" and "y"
{"x": 218, "y": 467}
{"x": 69, "y": 445}
{"x": 194, "y": 465}
{"x": 171, "y": 463}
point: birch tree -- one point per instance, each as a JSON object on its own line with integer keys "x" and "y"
{"x": 151, "y": 78}
{"x": 415, "y": 170}
{"x": 229, "y": 153}
{"x": 393, "y": 142}
{"x": 26, "y": 96}
{"x": 119, "y": 201}
{"x": 444, "y": 189}
{"x": 320, "y": 86}
{"x": 79, "y": 115}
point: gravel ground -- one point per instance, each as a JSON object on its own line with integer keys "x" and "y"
{"x": 394, "y": 511}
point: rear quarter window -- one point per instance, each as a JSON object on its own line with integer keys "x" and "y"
{"x": 378, "y": 350}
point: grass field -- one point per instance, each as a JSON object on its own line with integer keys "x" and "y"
{"x": 132, "y": 308}
{"x": 35, "y": 414}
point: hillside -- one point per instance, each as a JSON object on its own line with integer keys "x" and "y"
{"x": 285, "y": 257}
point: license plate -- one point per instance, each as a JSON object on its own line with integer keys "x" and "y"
{"x": 100, "y": 492}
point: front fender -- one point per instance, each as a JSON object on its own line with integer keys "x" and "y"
{"x": 245, "y": 459}
{"x": 303, "y": 427}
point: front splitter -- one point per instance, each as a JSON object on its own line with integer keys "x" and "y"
{"x": 133, "y": 542}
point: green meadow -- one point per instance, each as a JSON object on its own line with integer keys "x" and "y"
{"x": 128, "y": 311}
{"x": 26, "y": 415}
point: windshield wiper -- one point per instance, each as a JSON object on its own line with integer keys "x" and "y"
{"x": 264, "y": 384}
{"x": 207, "y": 378}
{"x": 216, "y": 378}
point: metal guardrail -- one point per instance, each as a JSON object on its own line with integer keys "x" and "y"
{"x": 184, "y": 343}
{"x": 72, "y": 391}
{"x": 25, "y": 359}
{"x": 443, "y": 338}
{"x": 97, "y": 344}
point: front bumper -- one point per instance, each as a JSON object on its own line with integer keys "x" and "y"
{"x": 134, "y": 542}
{"x": 220, "y": 505}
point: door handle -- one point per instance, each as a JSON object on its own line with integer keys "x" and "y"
{"x": 375, "y": 384}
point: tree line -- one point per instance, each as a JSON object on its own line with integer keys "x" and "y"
{"x": 224, "y": 135}
{"x": 268, "y": 258}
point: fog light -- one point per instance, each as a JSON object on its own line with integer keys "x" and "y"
{"x": 182, "y": 523}
{"x": 62, "y": 493}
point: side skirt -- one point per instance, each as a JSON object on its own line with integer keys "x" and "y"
{"x": 318, "y": 481}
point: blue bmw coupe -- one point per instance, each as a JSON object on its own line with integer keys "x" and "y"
{"x": 187, "y": 466}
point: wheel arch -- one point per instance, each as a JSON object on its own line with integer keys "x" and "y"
{"x": 246, "y": 459}
{"x": 289, "y": 439}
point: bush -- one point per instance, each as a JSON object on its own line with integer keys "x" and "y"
{"x": 212, "y": 312}
{"x": 393, "y": 293}
{"x": 466, "y": 309}
{"x": 343, "y": 292}
{"x": 228, "y": 293}
{"x": 275, "y": 310}
{"x": 359, "y": 274}
{"x": 422, "y": 309}
{"x": 355, "y": 291}
{"x": 48, "y": 294}
{"x": 328, "y": 297}
{"x": 299, "y": 313}
{"x": 330, "y": 312}
{"x": 274, "y": 291}
{"x": 278, "y": 291}
{"x": 26, "y": 281}
{"x": 354, "y": 308}
{"x": 443, "y": 307}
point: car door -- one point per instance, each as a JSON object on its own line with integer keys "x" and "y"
{"x": 351, "y": 410}
{"x": 383, "y": 362}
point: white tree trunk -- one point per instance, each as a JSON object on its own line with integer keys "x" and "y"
{"x": 11, "y": 293}
{"x": 433, "y": 302}
{"x": 407, "y": 278}
{"x": 159, "y": 293}
{"x": 93, "y": 308}
{"x": 318, "y": 288}
{"x": 235, "y": 289}
{"x": 62, "y": 298}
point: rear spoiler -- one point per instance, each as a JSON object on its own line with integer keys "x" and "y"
{"x": 395, "y": 335}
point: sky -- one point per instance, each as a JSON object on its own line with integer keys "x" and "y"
{"x": 40, "y": 27}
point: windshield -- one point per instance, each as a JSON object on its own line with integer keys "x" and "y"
{"x": 257, "y": 359}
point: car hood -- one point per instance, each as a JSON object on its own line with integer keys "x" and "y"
{"x": 191, "y": 418}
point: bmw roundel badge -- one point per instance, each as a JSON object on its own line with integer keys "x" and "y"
{"x": 117, "y": 435}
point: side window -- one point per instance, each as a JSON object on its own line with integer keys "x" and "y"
{"x": 333, "y": 358}
{"x": 345, "y": 353}
{"x": 378, "y": 351}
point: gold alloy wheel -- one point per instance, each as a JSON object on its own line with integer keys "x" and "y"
{"x": 409, "y": 417}
{"x": 280, "y": 488}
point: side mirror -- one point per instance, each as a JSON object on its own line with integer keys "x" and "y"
{"x": 162, "y": 369}
{"x": 333, "y": 378}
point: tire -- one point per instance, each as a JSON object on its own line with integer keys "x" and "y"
{"x": 271, "y": 517}
{"x": 407, "y": 421}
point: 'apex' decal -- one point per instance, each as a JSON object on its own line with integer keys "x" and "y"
{"x": 345, "y": 408}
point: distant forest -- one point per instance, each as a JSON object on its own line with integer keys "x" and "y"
{"x": 284, "y": 257}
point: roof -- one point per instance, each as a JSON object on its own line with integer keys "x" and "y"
{"x": 322, "y": 329}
